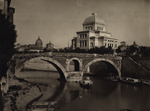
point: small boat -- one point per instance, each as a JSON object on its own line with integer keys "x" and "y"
{"x": 130, "y": 80}
{"x": 86, "y": 82}
{"x": 146, "y": 82}
{"x": 111, "y": 78}
{"x": 114, "y": 79}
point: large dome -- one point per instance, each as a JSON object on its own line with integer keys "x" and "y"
{"x": 94, "y": 19}
{"x": 39, "y": 42}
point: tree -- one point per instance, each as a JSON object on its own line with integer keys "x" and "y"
{"x": 102, "y": 50}
{"x": 118, "y": 50}
{"x": 110, "y": 50}
{"x": 144, "y": 51}
{"x": 7, "y": 39}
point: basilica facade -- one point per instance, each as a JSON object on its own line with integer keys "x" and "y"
{"x": 94, "y": 34}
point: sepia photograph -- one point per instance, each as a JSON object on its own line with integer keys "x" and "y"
{"x": 74, "y": 55}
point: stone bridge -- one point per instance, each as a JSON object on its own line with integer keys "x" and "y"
{"x": 62, "y": 61}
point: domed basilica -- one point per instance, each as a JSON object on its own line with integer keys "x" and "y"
{"x": 37, "y": 47}
{"x": 39, "y": 43}
{"x": 94, "y": 34}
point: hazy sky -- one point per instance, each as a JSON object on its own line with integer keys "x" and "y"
{"x": 59, "y": 20}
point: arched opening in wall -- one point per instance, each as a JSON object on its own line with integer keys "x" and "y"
{"x": 102, "y": 69}
{"x": 38, "y": 68}
{"x": 74, "y": 66}
{"x": 59, "y": 70}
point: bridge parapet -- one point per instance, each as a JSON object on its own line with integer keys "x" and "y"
{"x": 67, "y": 55}
{"x": 24, "y": 55}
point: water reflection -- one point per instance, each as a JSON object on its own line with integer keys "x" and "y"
{"x": 53, "y": 89}
{"x": 102, "y": 88}
{"x": 135, "y": 96}
{"x": 103, "y": 95}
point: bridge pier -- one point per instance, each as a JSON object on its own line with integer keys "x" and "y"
{"x": 74, "y": 76}
{"x": 88, "y": 69}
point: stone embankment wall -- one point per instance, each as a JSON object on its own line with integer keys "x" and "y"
{"x": 143, "y": 61}
{"x": 39, "y": 65}
{"x": 131, "y": 68}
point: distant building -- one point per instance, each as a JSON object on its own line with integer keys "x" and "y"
{"x": 50, "y": 46}
{"x": 135, "y": 45}
{"x": 34, "y": 48}
{"x": 20, "y": 48}
{"x": 39, "y": 43}
{"x": 123, "y": 43}
{"x": 136, "y": 49}
{"x": 37, "y": 47}
{"x": 122, "y": 46}
{"x": 94, "y": 34}
{"x": 5, "y": 9}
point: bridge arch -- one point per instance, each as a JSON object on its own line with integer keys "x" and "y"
{"x": 104, "y": 60}
{"x": 77, "y": 64}
{"x": 55, "y": 63}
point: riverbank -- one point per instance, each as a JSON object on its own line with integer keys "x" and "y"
{"x": 20, "y": 93}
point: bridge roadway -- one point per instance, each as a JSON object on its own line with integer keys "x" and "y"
{"x": 61, "y": 61}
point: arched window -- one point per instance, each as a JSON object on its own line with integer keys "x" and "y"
{"x": 80, "y": 35}
{"x": 92, "y": 44}
{"x": 85, "y": 43}
{"x": 115, "y": 45}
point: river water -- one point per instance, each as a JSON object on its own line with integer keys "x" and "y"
{"x": 102, "y": 96}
